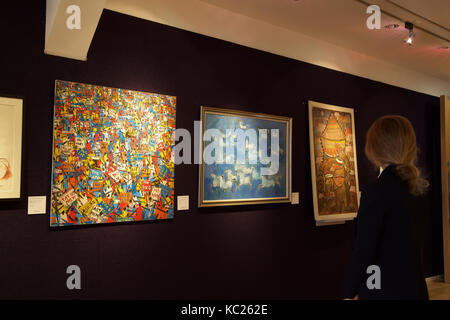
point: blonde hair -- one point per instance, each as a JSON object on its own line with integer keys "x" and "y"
{"x": 392, "y": 140}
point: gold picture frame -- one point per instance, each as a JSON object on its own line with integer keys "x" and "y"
{"x": 334, "y": 169}
{"x": 239, "y": 195}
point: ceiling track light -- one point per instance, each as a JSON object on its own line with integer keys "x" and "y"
{"x": 365, "y": 3}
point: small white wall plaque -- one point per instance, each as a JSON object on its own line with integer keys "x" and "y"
{"x": 182, "y": 203}
{"x": 37, "y": 205}
{"x": 295, "y": 198}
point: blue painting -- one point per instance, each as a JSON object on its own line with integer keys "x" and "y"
{"x": 250, "y": 161}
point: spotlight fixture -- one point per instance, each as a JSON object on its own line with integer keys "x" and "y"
{"x": 410, "y": 39}
{"x": 410, "y": 27}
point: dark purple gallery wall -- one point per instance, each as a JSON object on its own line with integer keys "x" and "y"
{"x": 254, "y": 252}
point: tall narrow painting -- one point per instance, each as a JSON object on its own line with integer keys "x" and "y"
{"x": 11, "y": 115}
{"x": 246, "y": 158}
{"x": 112, "y": 155}
{"x": 334, "y": 169}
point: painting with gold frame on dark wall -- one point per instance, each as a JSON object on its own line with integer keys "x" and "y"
{"x": 334, "y": 169}
{"x": 233, "y": 182}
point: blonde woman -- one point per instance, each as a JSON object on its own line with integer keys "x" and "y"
{"x": 386, "y": 262}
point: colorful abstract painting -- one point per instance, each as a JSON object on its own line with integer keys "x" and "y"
{"x": 234, "y": 182}
{"x": 112, "y": 155}
{"x": 333, "y": 162}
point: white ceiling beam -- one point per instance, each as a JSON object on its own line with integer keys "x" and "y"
{"x": 70, "y": 27}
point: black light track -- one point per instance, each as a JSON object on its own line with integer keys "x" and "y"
{"x": 417, "y": 15}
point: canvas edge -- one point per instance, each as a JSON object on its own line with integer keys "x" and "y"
{"x": 52, "y": 161}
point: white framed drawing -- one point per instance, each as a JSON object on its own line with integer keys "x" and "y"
{"x": 11, "y": 118}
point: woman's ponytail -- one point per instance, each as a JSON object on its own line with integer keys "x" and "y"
{"x": 411, "y": 174}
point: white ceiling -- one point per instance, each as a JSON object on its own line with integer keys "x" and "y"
{"x": 329, "y": 33}
{"x": 343, "y": 23}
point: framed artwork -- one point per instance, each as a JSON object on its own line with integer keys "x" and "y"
{"x": 246, "y": 158}
{"x": 112, "y": 155}
{"x": 11, "y": 117}
{"x": 334, "y": 169}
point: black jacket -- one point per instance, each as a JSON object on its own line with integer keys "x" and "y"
{"x": 390, "y": 235}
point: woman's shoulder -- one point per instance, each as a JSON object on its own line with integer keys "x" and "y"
{"x": 388, "y": 183}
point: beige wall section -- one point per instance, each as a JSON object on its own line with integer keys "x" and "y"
{"x": 63, "y": 42}
{"x": 445, "y": 172}
{"x": 203, "y": 18}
